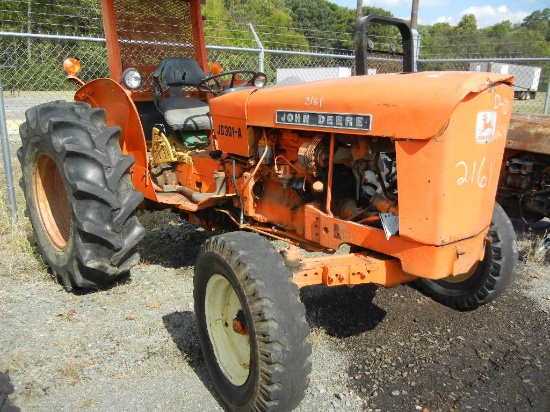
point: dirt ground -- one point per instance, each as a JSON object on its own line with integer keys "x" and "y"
{"x": 405, "y": 351}
{"x": 133, "y": 347}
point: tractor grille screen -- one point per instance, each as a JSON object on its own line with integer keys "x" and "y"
{"x": 150, "y": 31}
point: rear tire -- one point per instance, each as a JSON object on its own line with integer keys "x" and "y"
{"x": 489, "y": 278}
{"x": 251, "y": 324}
{"x": 6, "y": 388}
{"x": 80, "y": 198}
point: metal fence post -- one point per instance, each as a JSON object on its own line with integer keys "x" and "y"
{"x": 547, "y": 99}
{"x": 259, "y": 43}
{"x": 416, "y": 48}
{"x": 7, "y": 157}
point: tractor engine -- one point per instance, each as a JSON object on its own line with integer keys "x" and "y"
{"x": 294, "y": 170}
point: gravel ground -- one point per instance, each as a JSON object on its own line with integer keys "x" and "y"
{"x": 133, "y": 347}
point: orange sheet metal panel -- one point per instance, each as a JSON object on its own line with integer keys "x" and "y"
{"x": 447, "y": 185}
{"x": 121, "y": 111}
{"x": 401, "y": 106}
{"x": 433, "y": 262}
{"x": 229, "y": 117}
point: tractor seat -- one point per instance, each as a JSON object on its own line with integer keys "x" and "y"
{"x": 181, "y": 113}
{"x": 186, "y": 113}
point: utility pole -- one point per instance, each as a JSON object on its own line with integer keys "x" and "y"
{"x": 415, "y": 34}
{"x": 414, "y": 15}
{"x": 359, "y": 9}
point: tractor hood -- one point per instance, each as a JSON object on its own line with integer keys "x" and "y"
{"x": 397, "y": 105}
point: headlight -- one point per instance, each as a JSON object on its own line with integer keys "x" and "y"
{"x": 260, "y": 80}
{"x": 131, "y": 78}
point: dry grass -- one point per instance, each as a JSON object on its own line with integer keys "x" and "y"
{"x": 85, "y": 403}
{"x": 531, "y": 106}
{"x": 72, "y": 372}
{"x": 530, "y": 243}
{"x": 18, "y": 258}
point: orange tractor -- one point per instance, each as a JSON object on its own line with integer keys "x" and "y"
{"x": 402, "y": 168}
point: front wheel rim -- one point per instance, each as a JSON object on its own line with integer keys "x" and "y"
{"x": 464, "y": 276}
{"x": 227, "y": 329}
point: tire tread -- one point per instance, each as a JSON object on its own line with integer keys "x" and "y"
{"x": 101, "y": 196}
{"x": 274, "y": 302}
{"x": 499, "y": 270}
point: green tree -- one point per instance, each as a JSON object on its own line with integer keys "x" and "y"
{"x": 500, "y": 29}
{"x": 467, "y": 25}
{"x": 227, "y": 22}
{"x": 539, "y": 21}
{"x": 315, "y": 19}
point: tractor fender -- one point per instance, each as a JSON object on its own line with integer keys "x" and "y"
{"x": 121, "y": 111}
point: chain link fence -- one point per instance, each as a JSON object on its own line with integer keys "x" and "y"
{"x": 31, "y": 70}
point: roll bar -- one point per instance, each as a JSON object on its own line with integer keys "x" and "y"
{"x": 361, "y": 41}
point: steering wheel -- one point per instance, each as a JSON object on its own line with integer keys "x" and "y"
{"x": 222, "y": 87}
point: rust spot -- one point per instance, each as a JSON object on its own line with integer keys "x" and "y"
{"x": 529, "y": 132}
{"x": 239, "y": 323}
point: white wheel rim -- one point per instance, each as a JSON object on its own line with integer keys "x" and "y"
{"x": 224, "y": 317}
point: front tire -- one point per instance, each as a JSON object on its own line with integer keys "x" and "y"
{"x": 251, "y": 324}
{"x": 489, "y": 278}
{"x": 79, "y": 194}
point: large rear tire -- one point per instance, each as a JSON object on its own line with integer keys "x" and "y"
{"x": 489, "y": 278}
{"x": 79, "y": 194}
{"x": 251, "y": 324}
{"x": 6, "y": 388}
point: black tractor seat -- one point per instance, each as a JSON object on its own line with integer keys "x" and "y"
{"x": 181, "y": 113}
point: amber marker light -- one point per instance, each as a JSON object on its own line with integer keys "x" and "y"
{"x": 216, "y": 68}
{"x": 71, "y": 66}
